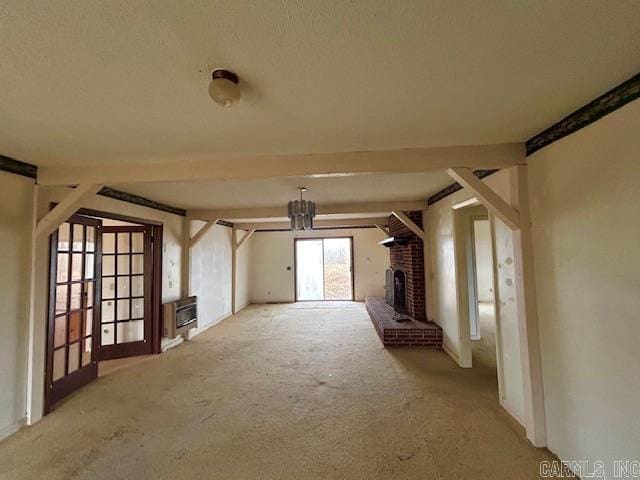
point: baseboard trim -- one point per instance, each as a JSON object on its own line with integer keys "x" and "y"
{"x": 513, "y": 414}
{"x": 447, "y": 349}
{"x": 194, "y": 332}
{"x": 242, "y": 307}
{"x": 171, "y": 343}
{"x": 12, "y": 428}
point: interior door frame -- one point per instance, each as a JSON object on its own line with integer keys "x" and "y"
{"x": 134, "y": 348}
{"x": 157, "y": 235}
{"x": 295, "y": 267}
{"x": 70, "y": 382}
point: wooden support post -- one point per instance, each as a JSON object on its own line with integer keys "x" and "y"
{"x": 186, "y": 258}
{"x": 487, "y": 196}
{"x": 67, "y": 207}
{"x": 534, "y": 409}
{"x": 409, "y": 224}
{"x": 234, "y": 265}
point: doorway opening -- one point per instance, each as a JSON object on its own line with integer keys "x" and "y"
{"x": 324, "y": 269}
{"x": 477, "y": 320}
{"x": 104, "y": 297}
{"x": 481, "y": 298}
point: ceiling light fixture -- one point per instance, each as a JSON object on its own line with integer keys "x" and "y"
{"x": 301, "y": 212}
{"x": 224, "y": 88}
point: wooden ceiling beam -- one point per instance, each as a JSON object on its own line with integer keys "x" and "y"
{"x": 281, "y": 212}
{"x": 406, "y": 160}
{"x": 337, "y": 223}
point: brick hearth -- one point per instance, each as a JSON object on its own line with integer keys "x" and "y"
{"x": 401, "y": 334}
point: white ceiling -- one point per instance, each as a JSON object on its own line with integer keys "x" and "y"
{"x": 275, "y": 192}
{"x": 94, "y": 82}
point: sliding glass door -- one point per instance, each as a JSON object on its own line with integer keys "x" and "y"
{"x": 324, "y": 269}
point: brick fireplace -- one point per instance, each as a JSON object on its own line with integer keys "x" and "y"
{"x": 404, "y": 323}
{"x": 409, "y": 258}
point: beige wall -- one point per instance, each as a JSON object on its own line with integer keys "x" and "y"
{"x": 16, "y": 217}
{"x": 211, "y": 274}
{"x": 444, "y": 256}
{"x": 585, "y": 192}
{"x": 273, "y": 253}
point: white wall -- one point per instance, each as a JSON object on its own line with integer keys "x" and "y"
{"x": 585, "y": 192}
{"x": 211, "y": 274}
{"x": 16, "y": 217}
{"x": 273, "y": 253}
{"x": 442, "y": 258}
{"x": 484, "y": 260}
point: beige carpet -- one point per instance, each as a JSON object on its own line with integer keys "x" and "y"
{"x": 278, "y": 392}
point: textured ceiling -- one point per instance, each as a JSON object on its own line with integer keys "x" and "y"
{"x": 94, "y": 82}
{"x": 276, "y": 192}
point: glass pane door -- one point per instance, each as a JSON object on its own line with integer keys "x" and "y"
{"x": 125, "y": 319}
{"x": 324, "y": 269}
{"x": 337, "y": 269}
{"x": 309, "y": 270}
{"x": 73, "y": 280}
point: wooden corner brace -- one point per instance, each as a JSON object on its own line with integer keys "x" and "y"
{"x": 487, "y": 196}
{"x": 409, "y": 224}
{"x": 67, "y": 207}
{"x": 200, "y": 233}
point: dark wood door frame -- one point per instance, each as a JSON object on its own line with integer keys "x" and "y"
{"x": 70, "y": 382}
{"x": 295, "y": 268}
{"x": 133, "y": 348}
{"x": 157, "y": 236}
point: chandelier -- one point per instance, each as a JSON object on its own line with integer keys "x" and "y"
{"x": 301, "y": 212}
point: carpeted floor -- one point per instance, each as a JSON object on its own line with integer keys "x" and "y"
{"x": 279, "y": 392}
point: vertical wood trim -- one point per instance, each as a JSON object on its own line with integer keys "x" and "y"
{"x": 534, "y": 410}
{"x": 158, "y": 313}
{"x": 462, "y": 288}
{"x": 185, "y": 285}
{"x": 496, "y": 309}
{"x": 234, "y": 264}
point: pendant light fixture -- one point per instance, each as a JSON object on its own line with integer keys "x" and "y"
{"x": 224, "y": 88}
{"x": 301, "y": 212}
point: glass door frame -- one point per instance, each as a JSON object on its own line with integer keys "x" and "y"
{"x": 134, "y": 348}
{"x": 295, "y": 267}
{"x": 56, "y": 390}
{"x": 157, "y": 236}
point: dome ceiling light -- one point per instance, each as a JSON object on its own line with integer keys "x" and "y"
{"x": 224, "y": 88}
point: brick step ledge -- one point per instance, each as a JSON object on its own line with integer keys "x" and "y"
{"x": 392, "y": 333}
